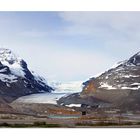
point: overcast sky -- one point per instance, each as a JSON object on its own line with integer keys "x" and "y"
{"x": 70, "y": 46}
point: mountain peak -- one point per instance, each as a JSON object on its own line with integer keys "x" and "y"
{"x": 14, "y": 62}
{"x": 15, "y": 77}
{"x": 124, "y": 75}
{"x": 7, "y": 56}
{"x": 135, "y": 59}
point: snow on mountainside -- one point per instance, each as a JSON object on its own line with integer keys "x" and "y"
{"x": 124, "y": 75}
{"x": 118, "y": 87}
{"x": 9, "y": 59}
{"x": 16, "y": 79}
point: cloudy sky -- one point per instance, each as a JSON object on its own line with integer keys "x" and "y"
{"x": 70, "y": 46}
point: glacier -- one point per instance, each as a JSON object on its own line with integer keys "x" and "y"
{"x": 61, "y": 90}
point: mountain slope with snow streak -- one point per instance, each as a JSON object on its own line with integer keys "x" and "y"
{"x": 124, "y": 75}
{"x": 118, "y": 87}
{"x": 16, "y": 79}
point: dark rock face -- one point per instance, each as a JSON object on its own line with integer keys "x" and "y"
{"x": 28, "y": 74}
{"x": 135, "y": 60}
{"x": 4, "y": 69}
{"x": 16, "y": 79}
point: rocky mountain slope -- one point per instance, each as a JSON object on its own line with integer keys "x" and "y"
{"x": 118, "y": 87}
{"x": 16, "y": 79}
{"x": 126, "y": 75}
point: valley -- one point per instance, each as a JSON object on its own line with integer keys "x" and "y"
{"x": 111, "y": 99}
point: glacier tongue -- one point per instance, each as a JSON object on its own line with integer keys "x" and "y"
{"x": 61, "y": 90}
{"x": 41, "y": 98}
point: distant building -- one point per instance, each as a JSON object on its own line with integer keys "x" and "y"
{"x": 84, "y": 113}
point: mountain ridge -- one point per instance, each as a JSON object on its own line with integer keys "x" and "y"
{"x": 16, "y": 79}
{"x": 119, "y": 87}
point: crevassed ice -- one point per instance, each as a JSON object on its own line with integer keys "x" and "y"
{"x": 69, "y": 87}
{"x": 41, "y": 98}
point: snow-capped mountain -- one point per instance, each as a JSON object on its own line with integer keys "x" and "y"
{"x": 16, "y": 79}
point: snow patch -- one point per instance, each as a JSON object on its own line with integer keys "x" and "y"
{"x": 3, "y": 70}
{"x": 106, "y": 86}
{"x": 17, "y": 70}
{"x": 128, "y": 76}
{"x": 9, "y": 59}
{"x": 132, "y": 88}
{"x": 73, "y": 105}
{"x": 135, "y": 84}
